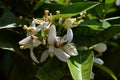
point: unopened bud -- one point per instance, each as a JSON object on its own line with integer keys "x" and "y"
{"x": 101, "y": 47}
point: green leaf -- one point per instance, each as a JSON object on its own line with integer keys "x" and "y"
{"x": 22, "y": 69}
{"x": 69, "y": 10}
{"x": 73, "y": 1}
{"x": 9, "y": 41}
{"x": 53, "y": 70}
{"x": 8, "y": 20}
{"x": 102, "y": 36}
{"x": 109, "y": 1}
{"x": 81, "y": 66}
{"x": 95, "y": 24}
{"x": 37, "y": 5}
{"x": 108, "y": 71}
{"x": 113, "y": 20}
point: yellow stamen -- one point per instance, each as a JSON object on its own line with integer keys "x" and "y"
{"x": 43, "y": 41}
{"x": 22, "y": 47}
{"x": 72, "y": 48}
{"x": 51, "y": 54}
{"x": 83, "y": 14}
{"x": 25, "y": 27}
{"x": 46, "y": 12}
{"x": 57, "y": 12}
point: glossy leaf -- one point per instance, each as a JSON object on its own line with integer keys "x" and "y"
{"x": 53, "y": 70}
{"x": 9, "y": 41}
{"x": 73, "y": 1}
{"x": 109, "y": 1}
{"x": 96, "y": 24}
{"x": 70, "y": 10}
{"x": 108, "y": 71}
{"x": 38, "y": 4}
{"x": 8, "y": 20}
{"x": 22, "y": 69}
{"x": 81, "y": 66}
{"x": 102, "y": 36}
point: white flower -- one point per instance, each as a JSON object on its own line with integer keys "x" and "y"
{"x": 34, "y": 30}
{"x": 60, "y": 46}
{"x": 31, "y": 40}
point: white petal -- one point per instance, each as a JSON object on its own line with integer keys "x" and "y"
{"x": 69, "y": 35}
{"x": 25, "y": 40}
{"x": 52, "y": 35}
{"x": 98, "y": 60}
{"x": 117, "y": 2}
{"x": 36, "y": 42}
{"x": 33, "y": 24}
{"x": 61, "y": 54}
{"x": 44, "y": 56}
{"x": 42, "y": 25}
{"x": 70, "y": 49}
{"x": 51, "y": 49}
{"x": 33, "y": 56}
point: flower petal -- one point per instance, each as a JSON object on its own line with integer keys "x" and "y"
{"x": 33, "y": 24}
{"x": 33, "y": 56}
{"x": 98, "y": 60}
{"x": 51, "y": 49}
{"x": 69, "y": 35}
{"x": 70, "y": 49}
{"x": 36, "y": 42}
{"x": 25, "y": 40}
{"x": 92, "y": 75}
{"x": 61, "y": 54}
{"x": 52, "y": 35}
{"x": 44, "y": 56}
{"x": 42, "y": 25}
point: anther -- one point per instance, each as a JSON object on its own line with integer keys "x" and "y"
{"x": 25, "y": 27}
{"x": 21, "y": 47}
{"x": 57, "y": 12}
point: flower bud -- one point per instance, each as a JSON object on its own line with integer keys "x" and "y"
{"x": 100, "y": 47}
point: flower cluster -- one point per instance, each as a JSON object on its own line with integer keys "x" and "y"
{"x": 61, "y": 47}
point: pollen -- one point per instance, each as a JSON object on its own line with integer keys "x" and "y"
{"x": 72, "y": 47}
{"x": 51, "y": 54}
